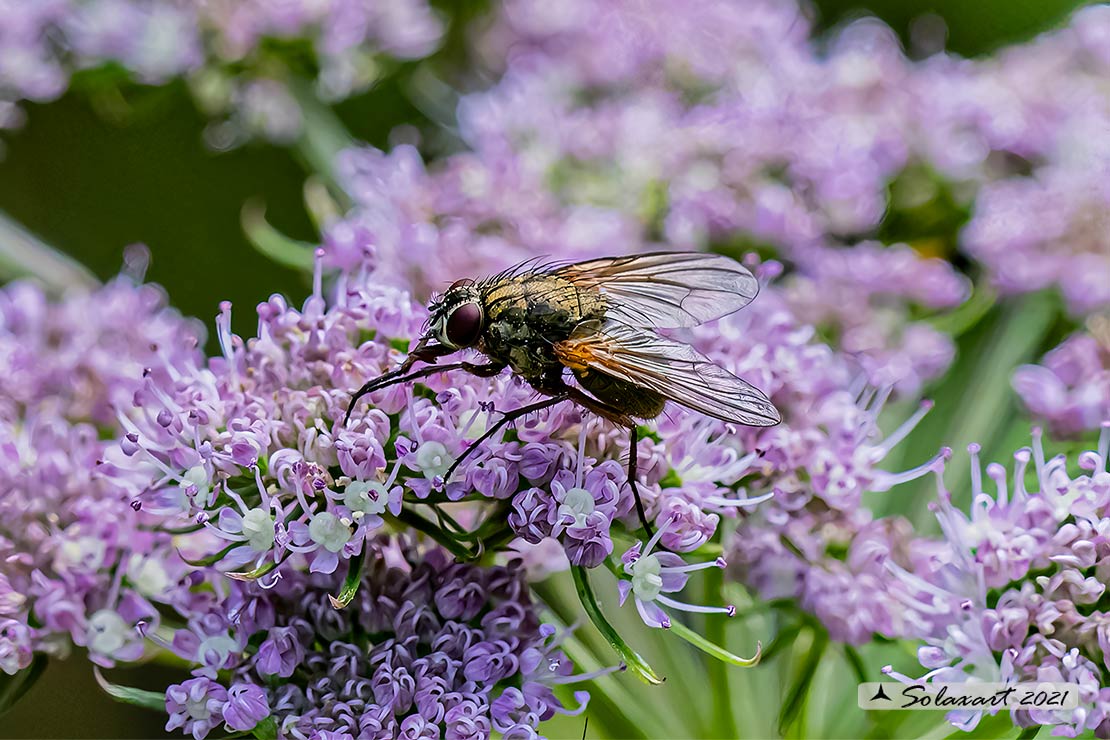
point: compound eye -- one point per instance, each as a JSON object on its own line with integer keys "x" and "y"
{"x": 464, "y": 325}
{"x": 465, "y": 282}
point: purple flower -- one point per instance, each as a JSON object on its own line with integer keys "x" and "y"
{"x": 15, "y": 646}
{"x": 1047, "y": 230}
{"x": 280, "y": 653}
{"x": 196, "y": 706}
{"x": 544, "y": 667}
{"x": 246, "y": 706}
{"x": 82, "y": 563}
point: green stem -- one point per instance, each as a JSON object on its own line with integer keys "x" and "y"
{"x": 713, "y": 649}
{"x": 492, "y": 544}
{"x": 784, "y": 639}
{"x": 421, "y": 524}
{"x": 273, "y": 244}
{"x": 973, "y": 310}
{"x": 724, "y": 723}
{"x": 351, "y": 582}
{"x": 323, "y": 137}
{"x": 631, "y": 658}
{"x": 12, "y": 688}
{"x": 22, "y": 254}
{"x": 448, "y": 522}
{"x": 792, "y": 716}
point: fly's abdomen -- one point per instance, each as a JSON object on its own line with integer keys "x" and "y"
{"x": 630, "y": 398}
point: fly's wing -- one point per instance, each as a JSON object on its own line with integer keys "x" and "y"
{"x": 666, "y": 290}
{"x": 672, "y": 369}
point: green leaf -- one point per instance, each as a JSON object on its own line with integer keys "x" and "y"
{"x": 714, "y": 650}
{"x": 784, "y": 638}
{"x": 799, "y": 691}
{"x": 855, "y": 660}
{"x": 968, "y": 314}
{"x": 631, "y": 658}
{"x": 211, "y": 559}
{"x": 128, "y": 695}
{"x": 267, "y": 729}
{"x": 351, "y": 582}
{"x": 272, "y": 243}
{"x": 12, "y": 688}
{"x": 1030, "y": 732}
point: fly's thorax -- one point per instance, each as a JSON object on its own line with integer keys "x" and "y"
{"x": 542, "y": 295}
{"x": 526, "y": 316}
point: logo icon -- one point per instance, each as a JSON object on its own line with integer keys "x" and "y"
{"x": 880, "y": 694}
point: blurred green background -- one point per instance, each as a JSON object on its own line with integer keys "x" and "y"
{"x": 97, "y": 170}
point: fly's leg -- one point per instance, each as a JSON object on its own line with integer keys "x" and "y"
{"x": 394, "y": 377}
{"x": 508, "y": 418}
{"x": 633, "y": 445}
{"x": 483, "y": 371}
{"x": 620, "y": 418}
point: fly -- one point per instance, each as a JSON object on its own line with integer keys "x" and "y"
{"x": 597, "y": 320}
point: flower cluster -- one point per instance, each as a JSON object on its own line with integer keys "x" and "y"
{"x": 1049, "y": 229}
{"x": 471, "y": 218}
{"x": 1027, "y": 124}
{"x": 427, "y": 649}
{"x": 237, "y": 55}
{"x": 81, "y": 565}
{"x": 1016, "y": 589}
{"x": 315, "y": 565}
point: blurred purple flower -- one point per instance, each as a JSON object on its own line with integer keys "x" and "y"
{"x": 219, "y": 46}
{"x": 1048, "y": 230}
{"x": 1071, "y": 388}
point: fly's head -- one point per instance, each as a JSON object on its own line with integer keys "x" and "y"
{"x": 457, "y": 316}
